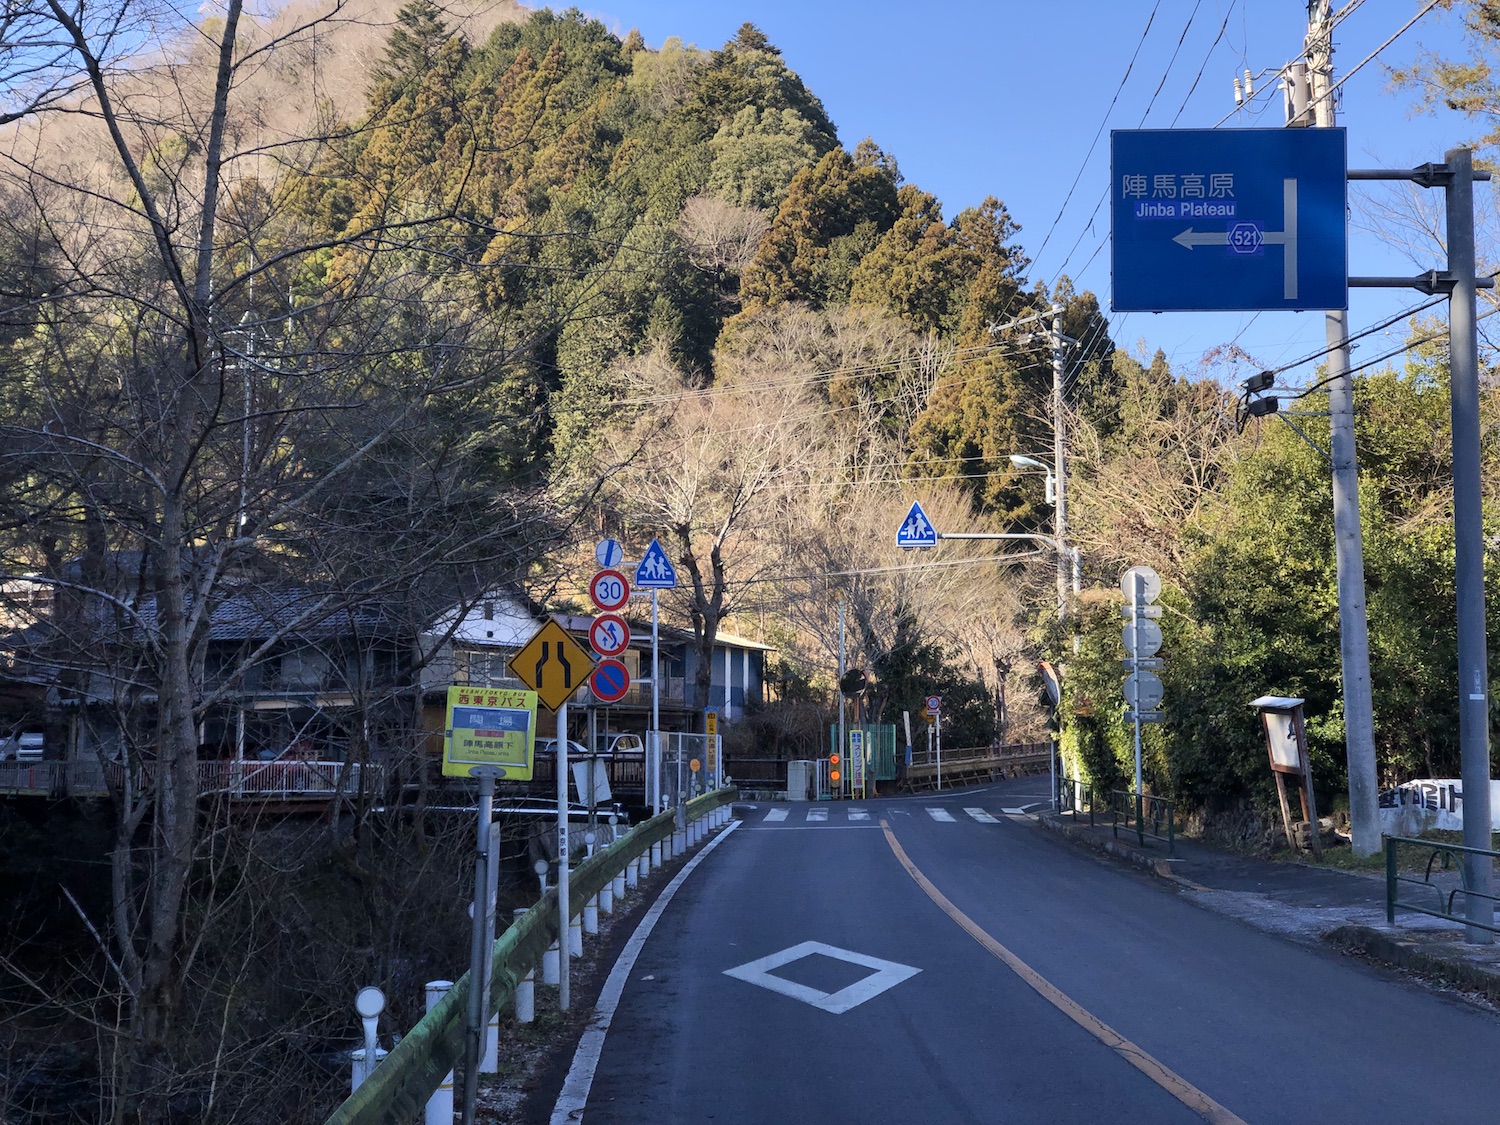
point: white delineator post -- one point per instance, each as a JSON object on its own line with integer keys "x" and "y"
{"x": 440, "y": 1105}
{"x": 525, "y": 987}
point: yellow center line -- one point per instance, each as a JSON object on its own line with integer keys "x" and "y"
{"x": 1184, "y": 1091}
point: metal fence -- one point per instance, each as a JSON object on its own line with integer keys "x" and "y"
{"x": 1075, "y": 797}
{"x": 880, "y": 746}
{"x": 1443, "y": 891}
{"x": 254, "y": 780}
{"x": 1145, "y": 815}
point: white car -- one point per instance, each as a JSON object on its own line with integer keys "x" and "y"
{"x": 547, "y": 748}
{"x": 624, "y": 744}
{"x": 22, "y": 748}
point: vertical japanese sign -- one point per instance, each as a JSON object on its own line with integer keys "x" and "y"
{"x": 493, "y": 727}
{"x": 857, "y": 763}
{"x": 711, "y": 744}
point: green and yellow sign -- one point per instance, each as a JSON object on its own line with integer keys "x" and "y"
{"x": 493, "y": 727}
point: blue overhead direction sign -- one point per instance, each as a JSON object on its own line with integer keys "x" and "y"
{"x": 1228, "y": 219}
{"x": 655, "y": 571}
{"x": 916, "y": 529}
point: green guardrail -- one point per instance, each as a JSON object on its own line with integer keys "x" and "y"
{"x": 397, "y": 1091}
{"x": 1443, "y": 853}
{"x": 1146, "y": 815}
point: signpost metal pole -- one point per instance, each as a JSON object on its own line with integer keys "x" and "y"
{"x": 1052, "y": 772}
{"x": 478, "y": 1018}
{"x": 1137, "y": 592}
{"x": 1468, "y": 531}
{"x": 937, "y": 724}
{"x": 842, "y": 670}
{"x": 564, "y": 917}
{"x": 654, "y": 768}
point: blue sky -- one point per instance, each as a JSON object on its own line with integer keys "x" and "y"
{"x": 1005, "y": 99}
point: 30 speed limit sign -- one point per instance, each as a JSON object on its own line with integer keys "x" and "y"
{"x": 609, "y": 590}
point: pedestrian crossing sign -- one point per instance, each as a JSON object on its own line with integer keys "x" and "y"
{"x": 655, "y": 571}
{"x": 916, "y": 529}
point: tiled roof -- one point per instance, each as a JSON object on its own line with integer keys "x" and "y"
{"x": 256, "y": 614}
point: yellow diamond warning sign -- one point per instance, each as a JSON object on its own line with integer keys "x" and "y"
{"x": 552, "y": 664}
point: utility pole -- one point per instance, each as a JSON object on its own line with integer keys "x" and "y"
{"x": 1359, "y": 722}
{"x": 1060, "y": 463}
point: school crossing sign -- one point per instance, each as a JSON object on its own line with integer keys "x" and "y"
{"x": 1228, "y": 219}
{"x": 655, "y": 571}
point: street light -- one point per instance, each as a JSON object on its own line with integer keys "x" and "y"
{"x": 1067, "y": 557}
{"x": 1023, "y": 462}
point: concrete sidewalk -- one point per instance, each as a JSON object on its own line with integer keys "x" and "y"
{"x": 1301, "y": 901}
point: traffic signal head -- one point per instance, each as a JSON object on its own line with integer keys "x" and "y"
{"x": 1263, "y": 406}
{"x": 833, "y": 767}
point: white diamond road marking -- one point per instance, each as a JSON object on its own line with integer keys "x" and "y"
{"x": 858, "y": 814}
{"x": 775, "y": 815}
{"x": 942, "y": 815}
{"x": 887, "y": 975}
{"x": 814, "y": 815}
{"x": 981, "y": 816}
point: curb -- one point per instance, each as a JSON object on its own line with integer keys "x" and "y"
{"x": 1157, "y": 865}
{"x": 1413, "y": 957}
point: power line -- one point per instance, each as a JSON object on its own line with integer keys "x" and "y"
{"x": 1100, "y": 131}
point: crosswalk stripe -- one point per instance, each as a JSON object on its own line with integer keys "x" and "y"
{"x": 942, "y": 815}
{"x": 776, "y": 814}
{"x": 981, "y": 816}
{"x": 817, "y": 814}
{"x": 858, "y": 814}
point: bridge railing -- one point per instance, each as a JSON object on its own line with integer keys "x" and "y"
{"x": 976, "y": 763}
{"x": 397, "y": 1091}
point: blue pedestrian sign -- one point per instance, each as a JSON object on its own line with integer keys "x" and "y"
{"x": 655, "y": 571}
{"x": 1228, "y": 219}
{"x": 916, "y": 530}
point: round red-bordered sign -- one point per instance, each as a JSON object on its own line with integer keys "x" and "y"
{"x": 609, "y": 681}
{"x": 610, "y": 590}
{"x": 609, "y": 634}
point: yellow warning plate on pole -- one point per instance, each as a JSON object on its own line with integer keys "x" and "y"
{"x": 552, "y": 664}
{"x": 490, "y": 727}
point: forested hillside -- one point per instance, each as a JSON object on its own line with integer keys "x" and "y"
{"x": 532, "y": 282}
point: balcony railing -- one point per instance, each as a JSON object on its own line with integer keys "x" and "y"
{"x": 251, "y": 780}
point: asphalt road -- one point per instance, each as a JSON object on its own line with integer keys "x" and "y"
{"x": 937, "y": 960}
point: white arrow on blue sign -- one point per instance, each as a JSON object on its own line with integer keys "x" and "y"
{"x": 1228, "y": 219}
{"x": 655, "y": 571}
{"x": 916, "y": 529}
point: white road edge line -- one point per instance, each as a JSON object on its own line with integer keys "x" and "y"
{"x": 575, "y": 1089}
